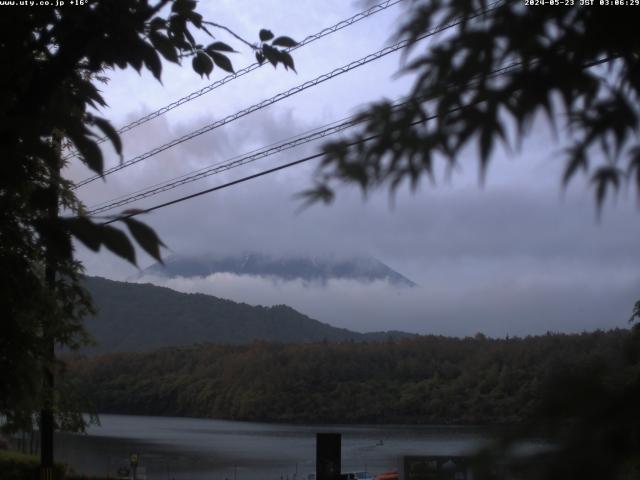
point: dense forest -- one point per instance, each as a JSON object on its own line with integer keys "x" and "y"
{"x": 429, "y": 379}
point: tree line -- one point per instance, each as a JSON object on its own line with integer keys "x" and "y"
{"x": 428, "y": 379}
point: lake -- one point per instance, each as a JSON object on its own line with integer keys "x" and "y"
{"x": 199, "y": 449}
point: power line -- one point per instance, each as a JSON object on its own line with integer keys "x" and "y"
{"x": 219, "y": 187}
{"x": 280, "y": 96}
{"x": 223, "y": 166}
{"x": 218, "y": 83}
{"x": 307, "y": 137}
{"x": 256, "y": 175}
{"x": 263, "y": 173}
{"x": 497, "y": 72}
{"x": 197, "y": 171}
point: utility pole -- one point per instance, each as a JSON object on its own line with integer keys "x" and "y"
{"x": 49, "y": 356}
{"x": 328, "y": 456}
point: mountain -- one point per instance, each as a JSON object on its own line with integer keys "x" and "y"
{"x": 142, "y": 317}
{"x": 307, "y": 269}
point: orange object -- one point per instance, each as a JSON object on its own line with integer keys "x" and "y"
{"x": 388, "y": 476}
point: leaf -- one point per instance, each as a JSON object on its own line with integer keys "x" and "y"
{"x": 120, "y": 61}
{"x": 287, "y": 42}
{"x": 287, "y": 60}
{"x": 91, "y": 92}
{"x": 220, "y": 46}
{"x": 133, "y": 211}
{"x": 152, "y": 60}
{"x": 86, "y": 231}
{"x": 177, "y": 27}
{"x": 93, "y": 236}
{"x": 183, "y": 7}
{"x": 319, "y": 193}
{"x": 89, "y": 151}
{"x": 634, "y": 164}
{"x": 157, "y": 23}
{"x": 195, "y": 18}
{"x": 116, "y": 241}
{"x": 206, "y": 30}
{"x": 188, "y": 35}
{"x": 110, "y": 133}
{"x": 260, "y": 58}
{"x": 162, "y": 43}
{"x": 202, "y": 64}
{"x": 135, "y": 53}
{"x": 146, "y": 237}
{"x": 180, "y": 32}
{"x": 577, "y": 159}
{"x": 265, "y": 35}
{"x": 222, "y": 61}
{"x": 601, "y": 178}
{"x": 486, "y": 145}
{"x": 270, "y": 54}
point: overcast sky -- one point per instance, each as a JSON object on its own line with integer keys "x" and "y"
{"x": 517, "y": 256}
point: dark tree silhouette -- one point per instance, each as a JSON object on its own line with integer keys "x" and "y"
{"x": 51, "y": 57}
{"x": 500, "y": 66}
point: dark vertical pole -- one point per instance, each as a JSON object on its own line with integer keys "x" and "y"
{"x": 48, "y": 382}
{"x": 46, "y": 415}
{"x": 328, "y": 456}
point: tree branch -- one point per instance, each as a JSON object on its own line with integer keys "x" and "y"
{"x": 227, "y": 29}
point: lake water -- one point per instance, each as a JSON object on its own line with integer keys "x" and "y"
{"x": 199, "y": 449}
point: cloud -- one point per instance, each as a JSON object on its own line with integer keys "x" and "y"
{"x": 513, "y": 257}
{"x": 497, "y": 306}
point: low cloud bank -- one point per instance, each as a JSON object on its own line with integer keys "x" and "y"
{"x": 497, "y": 305}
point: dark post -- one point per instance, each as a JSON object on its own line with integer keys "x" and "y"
{"x": 328, "y": 456}
{"x": 46, "y": 414}
{"x": 133, "y": 460}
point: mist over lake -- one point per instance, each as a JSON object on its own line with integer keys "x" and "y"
{"x": 198, "y": 449}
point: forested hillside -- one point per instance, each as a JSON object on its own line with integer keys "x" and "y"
{"x": 424, "y": 380}
{"x": 141, "y": 317}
